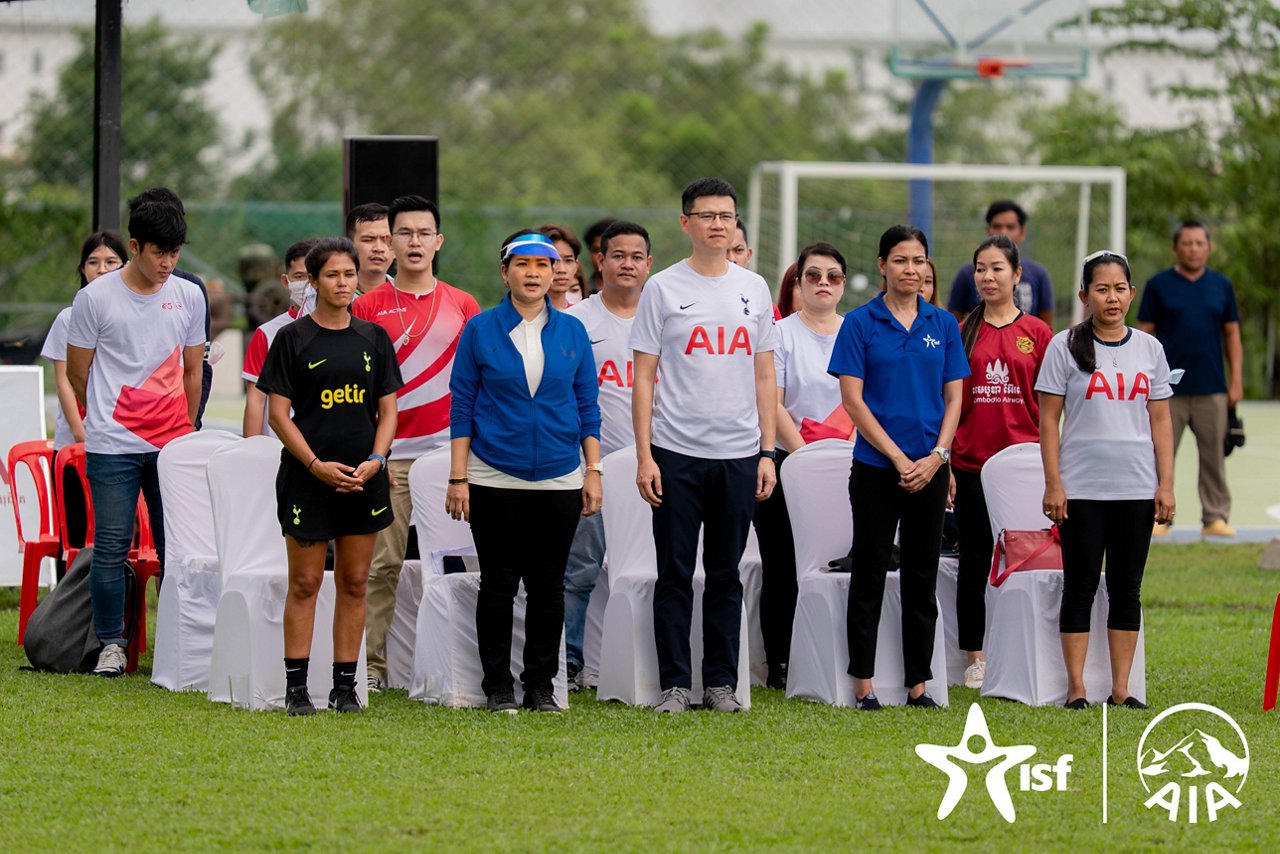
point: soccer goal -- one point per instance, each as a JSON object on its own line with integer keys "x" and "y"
{"x": 793, "y": 203}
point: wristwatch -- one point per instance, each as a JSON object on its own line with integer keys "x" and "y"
{"x": 944, "y": 453}
{"x": 769, "y": 455}
{"x": 598, "y": 468}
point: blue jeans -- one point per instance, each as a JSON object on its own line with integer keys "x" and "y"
{"x": 586, "y": 556}
{"x": 114, "y": 480}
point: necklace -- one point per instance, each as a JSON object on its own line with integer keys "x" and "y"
{"x": 406, "y": 332}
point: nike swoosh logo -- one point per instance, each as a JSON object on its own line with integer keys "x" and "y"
{"x": 314, "y": 365}
{"x": 377, "y": 512}
{"x": 596, "y": 341}
{"x": 683, "y": 307}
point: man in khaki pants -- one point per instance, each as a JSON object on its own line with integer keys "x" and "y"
{"x": 424, "y": 317}
{"x": 1192, "y": 310}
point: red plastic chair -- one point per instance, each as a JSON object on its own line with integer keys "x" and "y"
{"x": 72, "y": 456}
{"x": 37, "y": 456}
{"x": 1272, "y": 685}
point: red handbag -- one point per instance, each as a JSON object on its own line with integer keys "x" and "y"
{"x": 1023, "y": 550}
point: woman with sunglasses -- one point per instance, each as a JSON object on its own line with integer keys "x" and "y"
{"x": 809, "y": 409}
{"x": 1108, "y": 474}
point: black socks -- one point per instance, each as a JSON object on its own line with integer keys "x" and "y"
{"x": 344, "y": 674}
{"x": 295, "y": 672}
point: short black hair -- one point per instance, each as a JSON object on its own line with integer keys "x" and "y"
{"x": 619, "y": 227}
{"x": 742, "y": 226}
{"x": 327, "y": 247}
{"x": 160, "y": 223}
{"x": 597, "y": 230}
{"x": 563, "y": 233}
{"x": 406, "y": 204}
{"x": 1000, "y": 206}
{"x": 1190, "y": 223}
{"x": 298, "y": 249}
{"x": 705, "y": 187}
{"x": 372, "y": 212}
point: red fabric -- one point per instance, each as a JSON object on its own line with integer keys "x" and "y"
{"x": 837, "y": 425}
{"x": 255, "y": 355}
{"x": 1273, "y": 663}
{"x": 999, "y": 406}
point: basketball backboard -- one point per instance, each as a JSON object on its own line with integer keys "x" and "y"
{"x": 959, "y": 39}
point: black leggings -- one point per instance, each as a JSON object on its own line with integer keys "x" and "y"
{"x": 976, "y": 545}
{"x": 1122, "y": 531}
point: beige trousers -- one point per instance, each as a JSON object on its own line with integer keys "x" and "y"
{"x": 384, "y": 572}
{"x": 1206, "y": 415}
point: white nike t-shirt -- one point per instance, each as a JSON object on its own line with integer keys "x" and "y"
{"x": 136, "y": 400}
{"x": 705, "y": 331}
{"x": 800, "y": 362}
{"x": 1107, "y": 453}
{"x": 611, "y": 345}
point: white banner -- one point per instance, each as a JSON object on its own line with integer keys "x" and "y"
{"x": 22, "y": 402}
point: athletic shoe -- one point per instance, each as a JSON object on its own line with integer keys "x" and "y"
{"x": 541, "y": 698}
{"x": 868, "y": 703}
{"x": 924, "y": 701}
{"x": 503, "y": 700}
{"x": 344, "y": 700}
{"x": 375, "y": 684}
{"x": 1158, "y": 530}
{"x": 111, "y": 661}
{"x": 298, "y": 702}
{"x": 1218, "y": 528}
{"x": 777, "y": 678}
{"x": 721, "y": 699}
{"x": 975, "y": 674}
{"x": 674, "y": 701}
{"x": 1076, "y": 704}
{"x": 575, "y": 675}
{"x": 1130, "y": 702}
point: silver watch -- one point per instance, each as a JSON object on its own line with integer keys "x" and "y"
{"x": 944, "y": 453}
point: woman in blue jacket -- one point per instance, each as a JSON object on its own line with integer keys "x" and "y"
{"x": 524, "y": 405}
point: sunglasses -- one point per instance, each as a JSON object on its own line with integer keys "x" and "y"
{"x": 814, "y": 277}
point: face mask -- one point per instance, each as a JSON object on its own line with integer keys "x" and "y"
{"x": 298, "y": 290}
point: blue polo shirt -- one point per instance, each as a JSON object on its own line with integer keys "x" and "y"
{"x": 1033, "y": 294}
{"x": 1188, "y": 317}
{"x": 902, "y": 372}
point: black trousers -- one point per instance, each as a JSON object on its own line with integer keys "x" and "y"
{"x": 778, "y": 588}
{"x": 717, "y": 496}
{"x": 976, "y": 547}
{"x": 521, "y": 535}
{"x": 1120, "y": 531}
{"x": 879, "y": 507}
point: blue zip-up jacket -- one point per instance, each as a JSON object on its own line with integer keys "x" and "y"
{"x": 532, "y": 438}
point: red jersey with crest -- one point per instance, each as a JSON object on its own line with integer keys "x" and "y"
{"x": 999, "y": 406}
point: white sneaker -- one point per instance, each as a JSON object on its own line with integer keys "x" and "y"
{"x": 111, "y": 661}
{"x": 975, "y": 674}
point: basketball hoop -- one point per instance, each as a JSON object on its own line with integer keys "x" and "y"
{"x": 989, "y": 67}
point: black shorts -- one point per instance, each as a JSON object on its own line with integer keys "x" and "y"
{"x": 310, "y": 509}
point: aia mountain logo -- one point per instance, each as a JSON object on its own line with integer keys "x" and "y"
{"x": 1196, "y": 759}
{"x": 997, "y": 373}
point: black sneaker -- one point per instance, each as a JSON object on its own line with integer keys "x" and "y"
{"x": 574, "y": 673}
{"x": 1078, "y": 703}
{"x": 1130, "y": 702}
{"x": 541, "y": 699}
{"x": 503, "y": 700}
{"x": 924, "y": 701}
{"x": 344, "y": 700}
{"x": 868, "y": 703}
{"x": 297, "y": 702}
{"x": 777, "y": 678}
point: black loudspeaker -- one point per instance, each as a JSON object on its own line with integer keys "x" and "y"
{"x": 381, "y": 168}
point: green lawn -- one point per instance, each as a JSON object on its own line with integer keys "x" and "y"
{"x": 91, "y": 764}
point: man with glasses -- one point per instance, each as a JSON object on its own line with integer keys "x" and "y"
{"x": 704, "y": 439}
{"x": 368, "y": 229}
{"x": 424, "y": 317}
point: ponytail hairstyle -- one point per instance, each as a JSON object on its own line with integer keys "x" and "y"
{"x": 1080, "y": 339}
{"x": 973, "y": 320}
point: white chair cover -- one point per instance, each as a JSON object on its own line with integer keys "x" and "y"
{"x": 247, "y": 667}
{"x": 948, "y": 572}
{"x": 822, "y": 524}
{"x": 751, "y": 570}
{"x": 593, "y": 637}
{"x": 192, "y": 578}
{"x": 445, "y": 665}
{"x": 1022, "y": 643}
{"x": 628, "y": 651}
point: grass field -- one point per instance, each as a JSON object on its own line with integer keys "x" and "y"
{"x": 93, "y": 765}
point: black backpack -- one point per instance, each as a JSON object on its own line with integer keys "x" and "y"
{"x": 60, "y": 636}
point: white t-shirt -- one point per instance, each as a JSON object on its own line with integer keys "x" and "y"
{"x": 55, "y": 350}
{"x": 705, "y": 331}
{"x": 136, "y": 400}
{"x": 801, "y": 362}
{"x": 1107, "y": 452}
{"x": 611, "y": 345}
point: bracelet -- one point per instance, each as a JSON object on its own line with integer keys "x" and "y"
{"x": 379, "y": 457}
{"x": 454, "y": 481}
{"x": 313, "y": 462}
{"x": 598, "y": 468}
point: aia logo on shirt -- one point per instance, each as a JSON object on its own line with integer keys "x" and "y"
{"x": 701, "y": 339}
{"x": 611, "y": 375}
{"x": 1117, "y": 387}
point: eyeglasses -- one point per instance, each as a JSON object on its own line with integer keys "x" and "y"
{"x": 1104, "y": 253}
{"x": 727, "y": 217}
{"x": 814, "y": 277}
{"x": 420, "y": 233}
